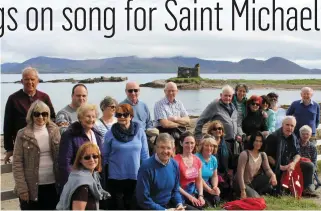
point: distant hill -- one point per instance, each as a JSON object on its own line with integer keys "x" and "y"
{"x": 133, "y": 64}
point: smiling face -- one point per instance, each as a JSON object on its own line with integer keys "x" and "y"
{"x": 79, "y": 97}
{"x": 257, "y": 144}
{"x": 226, "y": 96}
{"x": 30, "y": 81}
{"x": 209, "y": 148}
{"x": 88, "y": 119}
{"x": 90, "y": 159}
{"x": 123, "y": 115}
{"x": 109, "y": 111}
{"x": 188, "y": 144}
{"x": 40, "y": 117}
{"x": 164, "y": 150}
{"x": 132, "y": 91}
{"x": 265, "y": 105}
{"x": 240, "y": 93}
{"x": 217, "y": 131}
{"x": 171, "y": 91}
{"x": 306, "y": 95}
{"x": 254, "y": 106}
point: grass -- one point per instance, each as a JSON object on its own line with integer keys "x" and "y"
{"x": 198, "y": 80}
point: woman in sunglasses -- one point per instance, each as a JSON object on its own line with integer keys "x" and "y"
{"x": 108, "y": 107}
{"x": 224, "y": 159}
{"x": 255, "y": 119}
{"x": 254, "y": 175}
{"x": 125, "y": 147}
{"x": 78, "y": 133}
{"x": 271, "y": 119}
{"x": 83, "y": 190}
{"x": 34, "y": 160}
{"x": 211, "y": 191}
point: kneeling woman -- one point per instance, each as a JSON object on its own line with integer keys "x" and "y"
{"x": 190, "y": 172}
{"x": 83, "y": 189}
{"x": 209, "y": 170}
{"x": 250, "y": 181}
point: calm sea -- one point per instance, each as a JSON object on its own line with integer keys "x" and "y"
{"x": 194, "y": 101}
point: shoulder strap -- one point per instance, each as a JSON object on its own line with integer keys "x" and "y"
{"x": 248, "y": 157}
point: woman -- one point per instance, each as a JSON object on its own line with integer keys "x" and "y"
{"x": 279, "y": 112}
{"x": 271, "y": 116}
{"x": 254, "y": 120}
{"x": 224, "y": 158}
{"x": 78, "y": 133}
{"x": 125, "y": 147}
{"x": 254, "y": 175}
{"x": 104, "y": 123}
{"x": 34, "y": 160}
{"x": 209, "y": 170}
{"x": 239, "y": 101}
{"x": 190, "y": 168}
{"x": 308, "y": 150}
{"x": 83, "y": 190}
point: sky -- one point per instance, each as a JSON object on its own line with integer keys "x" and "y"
{"x": 301, "y": 47}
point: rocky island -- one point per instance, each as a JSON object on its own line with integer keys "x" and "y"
{"x": 84, "y": 81}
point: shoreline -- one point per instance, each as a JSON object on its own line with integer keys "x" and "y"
{"x": 200, "y": 83}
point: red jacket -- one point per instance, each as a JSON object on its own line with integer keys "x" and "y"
{"x": 245, "y": 204}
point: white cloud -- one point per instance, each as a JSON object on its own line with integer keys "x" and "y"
{"x": 301, "y": 47}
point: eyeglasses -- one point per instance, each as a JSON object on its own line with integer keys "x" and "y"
{"x": 112, "y": 107}
{"x": 88, "y": 157}
{"x": 217, "y": 128}
{"x": 132, "y": 90}
{"x": 43, "y": 114}
{"x": 255, "y": 104}
{"x": 120, "y": 115}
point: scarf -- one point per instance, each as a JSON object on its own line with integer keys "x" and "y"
{"x": 222, "y": 155}
{"x": 77, "y": 179}
{"x": 243, "y": 103}
{"x": 125, "y": 135}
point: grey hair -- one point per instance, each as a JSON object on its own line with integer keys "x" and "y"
{"x": 165, "y": 137}
{"x": 38, "y": 105}
{"x": 306, "y": 89}
{"x": 305, "y": 128}
{"x": 107, "y": 101}
{"x": 227, "y": 88}
{"x": 170, "y": 83}
{"x": 287, "y": 118}
{"x": 29, "y": 69}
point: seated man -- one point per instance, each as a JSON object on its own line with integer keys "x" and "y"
{"x": 283, "y": 151}
{"x": 170, "y": 113}
{"x": 158, "y": 178}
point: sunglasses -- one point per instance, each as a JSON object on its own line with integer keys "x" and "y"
{"x": 88, "y": 157}
{"x": 255, "y": 104}
{"x": 112, "y": 107}
{"x": 120, "y": 115}
{"x": 217, "y": 128}
{"x": 132, "y": 90}
{"x": 43, "y": 114}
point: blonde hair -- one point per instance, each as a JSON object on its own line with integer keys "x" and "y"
{"x": 84, "y": 108}
{"x": 81, "y": 152}
{"x": 39, "y": 106}
{"x": 207, "y": 140}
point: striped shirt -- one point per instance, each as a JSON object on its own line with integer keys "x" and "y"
{"x": 309, "y": 151}
{"x": 164, "y": 109}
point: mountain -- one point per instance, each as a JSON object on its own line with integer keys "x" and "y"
{"x": 133, "y": 64}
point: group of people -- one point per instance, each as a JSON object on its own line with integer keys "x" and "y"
{"x": 81, "y": 161}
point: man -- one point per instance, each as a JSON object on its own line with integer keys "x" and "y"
{"x": 224, "y": 111}
{"x": 141, "y": 111}
{"x": 158, "y": 185}
{"x": 306, "y": 111}
{"x": 68, "y": 114}
{"x": 18, "y": 105}
{"x": 170, "y": 112}
{"x": 283, "y": 151}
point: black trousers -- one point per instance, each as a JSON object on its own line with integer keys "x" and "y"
{"x": 47, "y": 199}
{"x": 122, "y": 194}
{"x": 259, "y": 185}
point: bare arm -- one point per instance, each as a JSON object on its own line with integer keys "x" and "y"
{"x": 182, "y": 121}
{"x": 271, "y": 161}
{"x": 79, "y": 205}
{"x": 165, "y": 123}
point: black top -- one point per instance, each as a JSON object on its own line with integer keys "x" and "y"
{"x": 82, "y": 193}
{"x": 254, "y": 122}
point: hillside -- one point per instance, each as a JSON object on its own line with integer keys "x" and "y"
{"x": 133, "y": 64}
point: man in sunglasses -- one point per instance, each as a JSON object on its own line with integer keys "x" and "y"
{"x": 141, "y": 112}
{"x": 68, "y": 114}
{"x": 18, "y": 105}
{"x": 306, "y": 111}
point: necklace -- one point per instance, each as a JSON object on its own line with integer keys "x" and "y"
{"x": 188, "y": 161}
